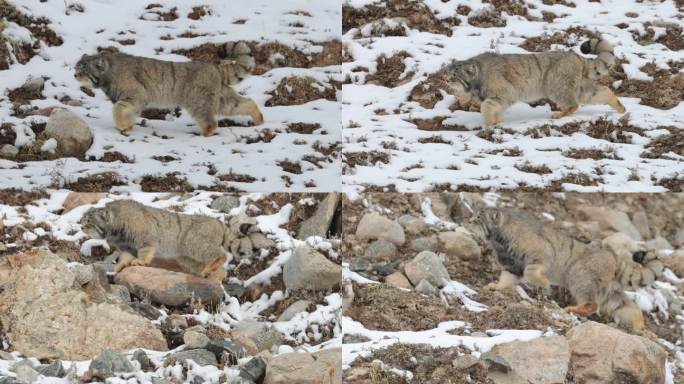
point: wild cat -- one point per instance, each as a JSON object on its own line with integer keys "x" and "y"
{"x": 134, "y": 83}
{"x": 566, "y": 78}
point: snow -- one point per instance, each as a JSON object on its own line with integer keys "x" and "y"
{"x": 103, "y": 23}
{"x": 472, "y": 161}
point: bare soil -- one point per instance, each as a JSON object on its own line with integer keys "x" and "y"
{"x": 416, "y": 14}
{"x": 389, "y": 71}
{"x": 299, "y": 90}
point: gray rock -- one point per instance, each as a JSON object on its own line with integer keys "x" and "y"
{"x": 222, "y": 347}
{"x": 145, "y": 363}
{"x": 543, "y": 360}
{"x": 384, "y": 268}
{"x": 298, "y": 367}
{"x": 319, "y": 223}
{"x": 260, "y": 241}
{"x": 194, "y": 339}
{"x": 420, "y": 244}
{"x": 9, "y": 151}
{"x": 294, "y": 308}
{"x": 465, "y": 362}
{"x": 397, "y": 279}
{"x": 413, "y": 225}
{"x": 200, "y": 356}
{"x": 461, "y": 245}
{"x": 376, "y": 227}
{"x": 34, "y": 85}
{"x": 309, "y": 269}
{"x": 426, "y": 288}
{"x": 25, "y": 374}
{"x": 255, "y": 337}
{"x": 225, "y": 203}
{"x": 121, "y": 292}
{"x": 146, "y": 309}
{"x": 108, "y": 363}
{"x": 175, "y": 323}
{"x": 254, "y": 369}
{"x": 71, "y": 132}
{"x": 234, "y": 289}
{"x": 359, "y": 264}
{"x": 426, "y": 266}
{"x": 381, "y": 250}
{"x": 611, "y": 219}
{"x": 54, "y": 369}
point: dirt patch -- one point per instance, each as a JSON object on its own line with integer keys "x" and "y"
{"x": 112, "y": 156}
{"x": 416, "y": 15}
{"x": 236, "y": 177}
{"x": 672, "y": 38}
{"x": 665, "y": 91}
{"x": 25, "y": 94}
{"x": 390, "y": 71}
{"x": 434, "y": 140}
{"x": 429, "y": 365}
{"x": 601, "y": 128}
{"x": 199, "y": 12}
{"x": 662, "y": 145}
{"x": 572, "y": 178}
{"x": 512, "y": 7}
{"x": 544, "y": 42}
{"x": 98, "y": 182}
{"x": 487, "y": 17}
{"x": 296, "y": 90}
{"x": 381, "y": 307}
{"x": 303, "y": 128}
{"x": 159, "y": 114}
{"x": 529, "y": 168}
{"x": 673, "y": 184}
{"x": 17, "y": 197}
{"x": 437, "y": 124}
{"x": 163, "y": 14}
{"x": 290, "y": 167}
{"x": 369, "y": 158}
{"x": 38, "y": 26}
{"x": 7, "y": 134}
{"x": 167, "y": 183}
{"x": 591, "y": 153}
{"x": 271, "y": 55}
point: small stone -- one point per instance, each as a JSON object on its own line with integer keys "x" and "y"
{"x": 194, "y": 339}
{"x": 145, "y": 363}
{"x": 223, "y": 348}
{"x": 461, "y": 245}
{"x": 225, "y": 203}
{"x": 26, "y": 374}
{"x": 309, "y": 269}
{"x": 34, "y": 85}
{"x": 55, "y": 369}
{"x": 420, "y": 244}
{"x": 175, "y": 323}
{"x": 426, "y": 266}
{"x": 397, "y": 279}
{"x": 465, "y": 362}
{"x": 376, "y": 227}
{"x": 497, "y": 363}
{"x": 260, "y": 241}
{"x": 254, "y": 369}
{"x": 381, "y": 250}
{"x": 255, "y": 337}
{"x": 359, "y": 264}
{"x": 413, "y": 225}
{"x": 9, "y": 151}
{"x": 200, "y": 356}
{"x": 384, "y": 269}
{"x": 543, "y": 360}
{"x": 73, "y": 135}
{"x": 121, "y": 291}
{"x": 234, "y": 289}
{"x": 295, "y": 308}
{"x": 425, "y": 288}
{"x": 108, "y": 363}
{"x": 300, "y": 367}
{"x": 319, "y": 223}
{"x": 146, "y": 309}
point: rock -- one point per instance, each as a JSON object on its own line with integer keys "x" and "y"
{"x": 72, "y": 133}
{"x": 319, "y": 223}
{"x": 25, "y": 374}
{"x": 640, "y": 221}
{"x": 121, "y": 291}
{"x": 426, "y": 266}
{"x": 221, "y": 348}
{"x": 384, "y": 268}
{"x": 34, "y": 85}
{"x": 9, "y": 151}
{"x": 255, "y": 337}
{"x": 420, "y": 244}
{"x": 461, "y": 245}
{"x": 425, "y": 288}
{"x": 611, "y": 219}
{"x": 199, "y": 356}
{"x": 234, "y": 289}
{"x": 170, "y": 288}
{"x": 108, "y": 363}
{"x": 54, "y": 369}
{"x": 254, "y": 369}
{"x": 309, "y": 269}
{"x": 359, "y": 264}
{"x": 77, "y": 199}
{"x": 194, "y": 339}
{"x": 376, "y": 227}
{"x": 543, "y": 360}
{"x": 175, "y": 323}
{"x": 589, "y": 227}
{"x": 413, "y": 225}
{"x": 618, "y": 357}
{"x": 380, "y": 250}
{"x": 225, "y": 203}
{"x": 46, "y": 317}
{"x": 146, "y": 309}
{"x": 295, "y": 308}
{"x": 678, "y": 240}
{"x": 323, "y": 367}
{"x": 658, "y": 244}
{"x": 675, "y": 262}
{"x": 260, "y": 241}
{"x": 465, "y": 362}
{"x": 397, "y": 279}
{"x": 145, "y": 363}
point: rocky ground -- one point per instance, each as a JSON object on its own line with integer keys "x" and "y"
{"x": 418, "y": 308}
{"x": 66, "y": 316}
{"x": 397, "y": 116}
{"x": 55, "y": 133}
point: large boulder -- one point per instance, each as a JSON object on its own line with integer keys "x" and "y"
{"x": 539, "y": 361}
{"x": 376, "y": 227}
{"x": 170, "y": 288}
{"x": 309, "y": 269}
{"x": 72, "y": 134}
{"x": 602, "y": 354}
{"x": 319, "y": 223}
{"x": 47, "y": 315}
{"x": 323, "y": 367}
{"x": 611, "y": 219}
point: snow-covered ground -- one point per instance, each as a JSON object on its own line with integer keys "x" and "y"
{"x": 378, "y": 119}
{"x": 304, "y": 331}
{"x": 236, "y": 151}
